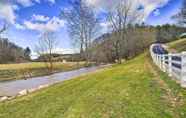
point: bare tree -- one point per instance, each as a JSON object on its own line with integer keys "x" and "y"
{"x": 181, "y": 16}
{"x": 123, "y": 14}
{"x": 4, "y": 28}
{"x": 82, "y": 26}
{"x": 45, "y": 48}
{"x": 139, "y": 40}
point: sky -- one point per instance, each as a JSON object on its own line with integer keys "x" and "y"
{"x": 27, "y": 19}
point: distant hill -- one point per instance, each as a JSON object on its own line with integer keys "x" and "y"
{"x": 138, "y": 39}
{"x": 61, "y": 57}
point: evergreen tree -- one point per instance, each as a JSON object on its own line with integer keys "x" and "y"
{"x": 27, "y": 53}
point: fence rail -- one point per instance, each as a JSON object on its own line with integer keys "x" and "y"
{"x": 172, "y": 63}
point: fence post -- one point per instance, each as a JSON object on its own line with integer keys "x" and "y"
{"x": 163, "y": 63}
{"x": 156, "y": 59}
{"x": 153, "y": 57}
{"x": 160, "y": 61}
{"x": 183, "y": 69}
{"x": 170, "y": 64}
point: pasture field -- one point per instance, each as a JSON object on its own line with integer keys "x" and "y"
{"x": 33, "y": 69}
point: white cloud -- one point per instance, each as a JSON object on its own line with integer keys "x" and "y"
{"x": 34, "y": 55}
{"x": 65, "y": 50}
{"x": 20, "y": 27}
{"x": 156, "y": 12}
{"x": 34, "y": 26}
{"x": 148, "y": 5}
{"x": 151, "y": 5}
{"x": 52, "y": 1}
{"x": 7, "y": 13}
{"x": 38, "y": 1}
{"x": 15, "y": 7}
{"x": 105, "y": 26}
{"x": 7, "y": 9}
{"x": 53, "y": 24}
{"x": 40, "y": 18}
{"x": 25, "y": 3}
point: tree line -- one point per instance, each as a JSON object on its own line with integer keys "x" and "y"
{"x": 12, "y": 53}
{"x": 127, "y": 37}
{"x": 167, "y": 33}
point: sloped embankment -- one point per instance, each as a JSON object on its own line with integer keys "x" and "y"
{"x": 134, "y": 89}
{"x": 178, "y": 46}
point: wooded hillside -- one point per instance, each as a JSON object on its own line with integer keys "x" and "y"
{"x": 138, "y": 38}
{"x": 11, "y": 53}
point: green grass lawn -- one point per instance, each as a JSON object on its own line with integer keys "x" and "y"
{"x": 33, "y": 69}
{"x": 179, "y": 45}
{"x": 135, "y": 89}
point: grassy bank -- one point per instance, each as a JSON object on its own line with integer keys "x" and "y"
{"x": 135, "y": 89}
{"x": 179, "y": 45}
{"x": 25, "y": 70}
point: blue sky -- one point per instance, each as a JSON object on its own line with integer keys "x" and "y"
{"x": 163, "y": 14}
{"x": 28, "y": 18}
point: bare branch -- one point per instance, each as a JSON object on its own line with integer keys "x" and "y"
{"x": 120, "y": 17}
{"x": 82, "y": 25}
{"x": 4, "y": 28}
{"x": 45, "y": 49}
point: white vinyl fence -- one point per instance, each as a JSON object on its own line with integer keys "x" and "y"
{"x": 173, "y": 63}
